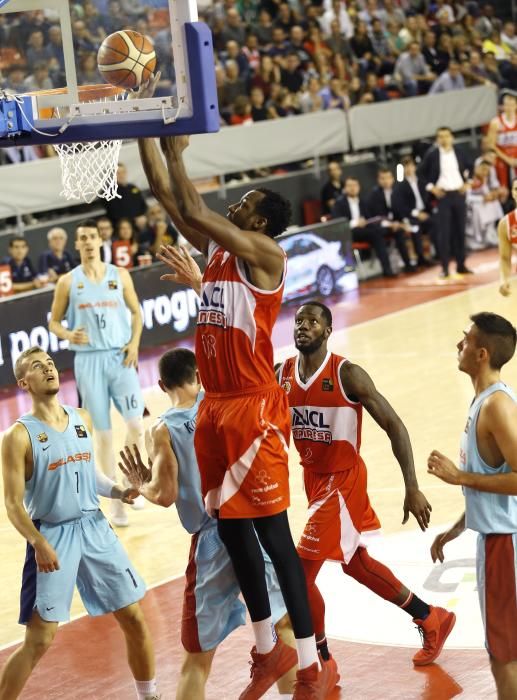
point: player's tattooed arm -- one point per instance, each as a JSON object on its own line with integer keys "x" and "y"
{"x": 505, "y": 258}
{"x": 77, "y": 336}
{"x": 17, "y": 468}
{"x": 131, "y": 349}
{"x": 157, "y": 482}
{"x": 359, "y": 386}
{"x": 161, "y": 188}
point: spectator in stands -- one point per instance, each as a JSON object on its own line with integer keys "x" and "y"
{"x": 334, "y": 95}
{"x": 362, "y": 46}
{"x": 263, "y": 29}
{"x": 485, "y": 22}
{"x": 233, "y": 86}
{"x": 311, "y": 99}
{"x": 88, "y": 73}
{"x": 283, "y": 103}
{"x": 380, "y": 205}
{"x": 292, "y": 77}
{"x": 445, "y": 51}
{"x": 22, "y": 270}
{"x": 125, "y": 231}
{"x": 338, "y": 43}
{"x": 372, "y": 92}
{"x": 233, "y": 53}
{"x": 279, "y": 46}
{"x": 297, "y": 45}
{"x": 94, "y": 21}
{"x": 105, "y": 229}
{"x": 384, "y": 58}
{"x": 56, "y": 260}
{"x": 241, "y": 111}
{"x": 364, "y": 229}
{"x": 449, "y": 80}
{"x": 56, "y": 54}
{"x": 36, "y": 51}
{"x": 394, "y": 13}
{"x": 259, "y": 111}
{"x": 252, "y": 53}
{"x": 430, "y": 53}
{"x": 268, "y": 75}
{"x": 15, "y": 80}
{"x": 234, "y": 28}
{"x": 333, "y": 188}
{"x": 159, "y": 231}
{"x": 84, "y": 42}
{"x": 492, "y": 69}
{"x": 445, "y": 171}
{"x": 131, "y": 204}
{"x": 337, "y": 12}
{"x": 39, "y": 79}
{"x": 412, "y": 205}
{"x": 509, "y": 73}
{"x": 473, "y": 70}
{"x": 412, "y": 71}
{"x": 508, "y": 36}
{"x": 494, "y": 44}
{"x": 115, "y": 18}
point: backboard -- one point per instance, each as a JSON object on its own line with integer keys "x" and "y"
{"x": 58, "y": 95}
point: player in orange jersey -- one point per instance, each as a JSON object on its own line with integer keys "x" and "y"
{"x": 502, "y": 136}
{"x": 327, "y": 394}
{"x": 242, "y": 431}
{"x": 507, "y": 231}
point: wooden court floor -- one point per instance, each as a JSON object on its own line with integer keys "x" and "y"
{"x": 404, "y": 334}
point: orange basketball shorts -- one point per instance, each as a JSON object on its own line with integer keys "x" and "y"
{"x": 241, "y": 444}
{"x": 340, "y": 516}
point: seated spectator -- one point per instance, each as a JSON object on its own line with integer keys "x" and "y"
{"x": 492, "y": 69}
{"x": 410, "y": 32}
{"x": 449, "y": 80}
{"x": 412, "y": 71}
{"x": 297, "y": 45}
{"x": 430, "y": 53}
{"x": 131, "y": 204}
{"x": 380, "y": 205}
{"x": 241, "y": 111}
{"x": 232, "y": 87}
{"x": 412, "y": 205}
{"x": 509, "y": 37}
{"x": 263, "y": 29}
{"x": 15, "y": 80}
{"x": 473, "y": 71}
{"x": 337, "y": 12}
{"x": 372, "y": 92}
{"x": 252, "y": 53}
{"x": 371, "y": 12}
{"x": 394, "y": 13}
{"x": 36, "y": 51}
{"x": 159, "y": 231}
{"x": 84, "y": 42}
{"x": 268, "y": 75}
{"x": 384, "y": 57}
{"x": 39, "y": 79}
{"x": 509, "y": 73}
{"x": 291, "y": 77}
{"x": 396, "y": 44}
{"x": 125, "y": 231}
{"x": 445, "y": 52}
{"x": 338, "y": 43}
{"x": 114, "y": 19}
{"x": 279, "y": 46}
{"x": 88, "y": 73}
{"x": 311, "y": 99}
{"x": 105, "y": 229}
{"x": 93, "y": 21}
{"x": 259, "y": 111}
{"x": 234, "y": 27}
{"x": 56, "y": 260}
{"x": 233, "y": 53}
{"x": 285, "y": 17}
{"x": 333, "y": 188}
{"x": 362, "y": 46}
{"x": 22, "y": 270}
{"x": 494, "y": 44}
{"x": 283, "y": 103}
{"x": 485, "y": 22}
{"x": 334, "y": 96}
{"x": 363, "y": 228}
{"x": 484, "y": 210}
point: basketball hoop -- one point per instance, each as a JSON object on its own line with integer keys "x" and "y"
{"x": 88, "y": 170}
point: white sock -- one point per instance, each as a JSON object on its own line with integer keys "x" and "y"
{"x": 145, "y": 688}
{"x": 105, "y": 454}
{"x": 307, "y": 652}
{"x": 265, "y": 635}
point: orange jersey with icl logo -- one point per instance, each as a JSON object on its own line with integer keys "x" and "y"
{"x": 511, "y": 224}
{"x": 325, "y": 423}
{"x": 506, "y": 138}
{"x": 234, "y": 351}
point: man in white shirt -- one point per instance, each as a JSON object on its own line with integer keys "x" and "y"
{"x": 444, "y": 171}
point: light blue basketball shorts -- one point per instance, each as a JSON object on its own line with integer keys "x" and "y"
{"x": 211, "y": 605}
{"x": 101, "y": 378}
{"x": 90, "y": 556}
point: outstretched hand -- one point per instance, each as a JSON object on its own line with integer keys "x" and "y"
{"x": 416, "y": 503}
{"x": 146, "y": 89}
{"x": 184, "y": 269}
{"x": 133, "y": 467}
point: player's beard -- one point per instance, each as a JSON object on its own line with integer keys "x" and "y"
{"x": 311, "y": 347}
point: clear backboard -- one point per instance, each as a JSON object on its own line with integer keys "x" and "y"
{"x": 53, "y": 92}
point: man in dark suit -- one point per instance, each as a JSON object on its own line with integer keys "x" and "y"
{"x": 412, "y": 205}
{"x": 333, "y": 188}
{"x": 352, "y": 206}
{"x": 380, "y": 205}
{"x": 445, "y": 171}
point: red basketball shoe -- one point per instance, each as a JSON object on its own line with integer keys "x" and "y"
{"x": 313, "y": 684}
{"x": 266, "y": 669}
{"x": 434, "y": 630}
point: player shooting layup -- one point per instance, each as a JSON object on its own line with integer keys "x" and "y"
{"x": 104, "y": 329}
{"x": 48, "y": 465}
{"x": 243, "y": 422}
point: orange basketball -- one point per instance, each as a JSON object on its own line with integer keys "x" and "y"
{"x": 126, "y": 58}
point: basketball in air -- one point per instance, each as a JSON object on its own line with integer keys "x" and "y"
{"x": 126, "y": 58}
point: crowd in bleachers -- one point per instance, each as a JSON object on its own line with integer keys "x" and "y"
{"x": 276, "y": 58}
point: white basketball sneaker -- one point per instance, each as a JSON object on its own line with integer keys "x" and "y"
{"x": 118, "y": 516}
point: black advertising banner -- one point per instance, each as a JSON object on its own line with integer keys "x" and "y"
{"x": 319, "y": 262}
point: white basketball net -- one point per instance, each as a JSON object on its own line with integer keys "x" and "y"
{"x": 89, "y": 170}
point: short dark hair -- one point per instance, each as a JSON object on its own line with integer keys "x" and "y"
{"x": 497, "y": 335}
{"x": 275, "y": 209}
{"x": 406, "y": 160}
{"x": 177, "y": 367}
{"x": 351, "y": 177}
{"x": 444, "y": 128}
{"x": 86, "y": 223}
{"x": 325, "y": 311}
{"x": 16, "y": 238}
{"x": 384, "y": 169}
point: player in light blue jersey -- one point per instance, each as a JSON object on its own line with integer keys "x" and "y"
{"x": 488, "y": 475}
{"x": 211, "y": 608}
{"x": 104, "y": 326}
{"x": 51, "y": 489}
